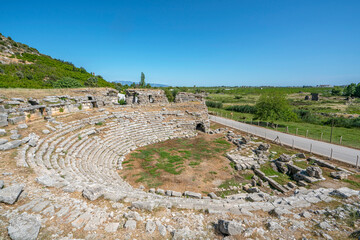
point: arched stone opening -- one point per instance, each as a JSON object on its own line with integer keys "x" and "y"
{"x": 200, "y": 127}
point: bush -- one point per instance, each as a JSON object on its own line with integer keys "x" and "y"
{"x": 91, "y": 82}
{"x": 122, "y": 102}
{"x": 170, "y": 94}
{"x": 214, "y": 104}
{"x": 274, "y": 106}
{"x": 308, "y": 116}
{"x": 80, "y": 107}
{"x": 242, "y": 109}
{"x": 336, "y": 91}
{"x": 67, "y": 82}
{"x": 29, "y": 76}
{"x": 344, "y": 122}
{"x": 19, "y": 74}
{"x": 2, "y": 71}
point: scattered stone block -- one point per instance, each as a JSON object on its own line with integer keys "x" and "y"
{"x": 46, "y": 180}
{"x": 15, "y": 136}
{"x": 3, "y": 141}
{"x": 22, "y": 126}
{"x": 176, "y": 194}
{"x": 284, "y": 158}
{"x": 2, "y": 132}
{"x": 192, "y": 194}
{"x": 339, "y": 175}
{"x": 325, "y": 225}
{"x": 160, "y": 191}
{"x": 45, "y": 131}
{"x": 130, "y": 224}
{"x": 230, "y": 227}
{"x": 93, "y": 192}
{"x": 16, "y": 120}
{"x": 112, "y": 227}
{"x": 11, "y": 194}
{"x": 345, "y": 192}
{"x": 24, "y": 227}
{"x": 10, "y": 145}
{"x": 300, "y": 155}
{"x": 150, "y": 227}
{"x": 148, "y": 205}
{"x": 213, "y": 195}
{"x": 272, "y": 226}
{"x": 306, "y": 214}
{"x": 313, "y": 171}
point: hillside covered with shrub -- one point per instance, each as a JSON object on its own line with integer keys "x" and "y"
{"x": 22, "y": 66}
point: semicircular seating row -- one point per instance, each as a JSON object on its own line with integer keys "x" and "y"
{"x": 74, "y": 156}
{"x": 80, "y": 154}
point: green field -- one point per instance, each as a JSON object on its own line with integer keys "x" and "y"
{"x": 350, "y": 136}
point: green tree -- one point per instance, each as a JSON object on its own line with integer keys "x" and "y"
{"x": 336, "y": 91}
{"x": 142, "y": 80}
{"x": 274, "y": 106}
{"x": 67, "y": 82}
{"x": 357, "y": 91}
{"x": 350, "y": 90}
{"x": 91, "y": 82}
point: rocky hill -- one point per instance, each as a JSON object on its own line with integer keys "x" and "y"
{"x": 22, "y": 66}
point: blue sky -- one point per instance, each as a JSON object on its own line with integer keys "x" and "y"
{"x": 203, "y": 43}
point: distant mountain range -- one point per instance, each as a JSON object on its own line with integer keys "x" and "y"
{"x": 151, "y": 84}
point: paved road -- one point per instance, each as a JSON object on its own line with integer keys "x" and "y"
{"x": 344, "y": 154}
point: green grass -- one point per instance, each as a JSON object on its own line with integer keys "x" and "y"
{"x": 268, "y": 171}
{"x": 354, "y": 181}
{"x": 280, "y": 150}
{"x": 173, "y": 159}
{"x": 301, "y": 164}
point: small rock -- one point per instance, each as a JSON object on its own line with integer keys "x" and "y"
{"x": 2, "y": 132}
{"x": 313, "y": 171}
{"x": 273, "y": 226}
{"x": 111, "y": 227}
{"x": 325, "y": 226}
{"x": 15, "y": 136}
{"x": 46, "y": 180}
{"x": 339, "y": 175}
{"x": 147, "y": 205}
{"x": 93, "y": 192}
{"x": 130, "y": 224}
{"x": 300, "y": 155}
{"x": 11, "y": 194}
{"x": 230, "y": 227}
{"x": 306, "y": 214}
{"x": 45, "y": 131}
{"x": 284, "y": 158}
{"x": 291, "y": 185}
{"x": 3, "y": 141}
{"x": 150, "y": 226}
{"x": 213, "y": 195}
{"x": 22, "y": 126}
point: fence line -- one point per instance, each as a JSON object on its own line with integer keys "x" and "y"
{"x": 332, "y": 151}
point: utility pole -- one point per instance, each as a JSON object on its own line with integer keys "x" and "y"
{"x": 332, "y": 126}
